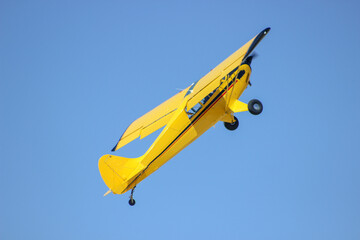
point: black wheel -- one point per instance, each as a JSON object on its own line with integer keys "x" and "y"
{"x": 132, "y": 202}
{"x": 232, "y": 126}
{"x": 255, "y": 107}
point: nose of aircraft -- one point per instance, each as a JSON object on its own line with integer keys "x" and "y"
{"x": 249, "y": 59}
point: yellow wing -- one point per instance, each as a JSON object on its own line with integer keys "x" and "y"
{"x": 212, "y": 80}
{"x": 151, "y": 121}
{"x": 160, "y": 116}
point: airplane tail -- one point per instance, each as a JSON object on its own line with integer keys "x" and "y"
{"x": 118, "y": 172}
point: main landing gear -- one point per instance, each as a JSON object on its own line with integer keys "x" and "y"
{"x": 232, "y": 126}
{"x": 255, "y": 107}
{"x": 132, "y": 200}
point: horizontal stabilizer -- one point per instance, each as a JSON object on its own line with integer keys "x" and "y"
{"x": 107, "y": 192}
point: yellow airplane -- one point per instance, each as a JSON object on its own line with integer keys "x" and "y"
{"x": 186, "y": 116}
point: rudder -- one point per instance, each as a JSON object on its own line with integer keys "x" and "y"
{"x": 117, "y": 171}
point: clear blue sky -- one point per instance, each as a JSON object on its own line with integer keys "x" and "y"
{"x": 75, "y": 74}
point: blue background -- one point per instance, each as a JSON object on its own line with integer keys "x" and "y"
{"x": 75, "y": 74}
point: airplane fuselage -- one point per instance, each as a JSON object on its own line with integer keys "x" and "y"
{"x": 187, "y": 125}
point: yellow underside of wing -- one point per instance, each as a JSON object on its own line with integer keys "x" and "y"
{"x": 160, "y": 116}
{"x": 151, "y": 121}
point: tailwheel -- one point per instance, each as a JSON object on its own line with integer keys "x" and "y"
{"x": 132, "y": 200}
{"x": 232, "y": 126}
{"x": 255, "y": 107}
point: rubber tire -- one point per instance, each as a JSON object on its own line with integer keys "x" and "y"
{"x": 132, "y": 202}
{"x": 232, "y": 126}
{"x": 255, "y": 110}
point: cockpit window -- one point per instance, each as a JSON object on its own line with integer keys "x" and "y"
{"x": 230, "y": 73}
{"x": 190, "y": 89}
{"x": 208, "y": 97}
{"x": 194, "y": 110}
{"x": 199, "y": 105}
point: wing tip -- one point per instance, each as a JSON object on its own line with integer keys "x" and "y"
{"x": 266, "y": 30}
{"x": 256, "y": 41}
{"x": 114, "y": 148}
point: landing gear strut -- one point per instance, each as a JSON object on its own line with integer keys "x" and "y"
{"x": 132, "y": 200}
